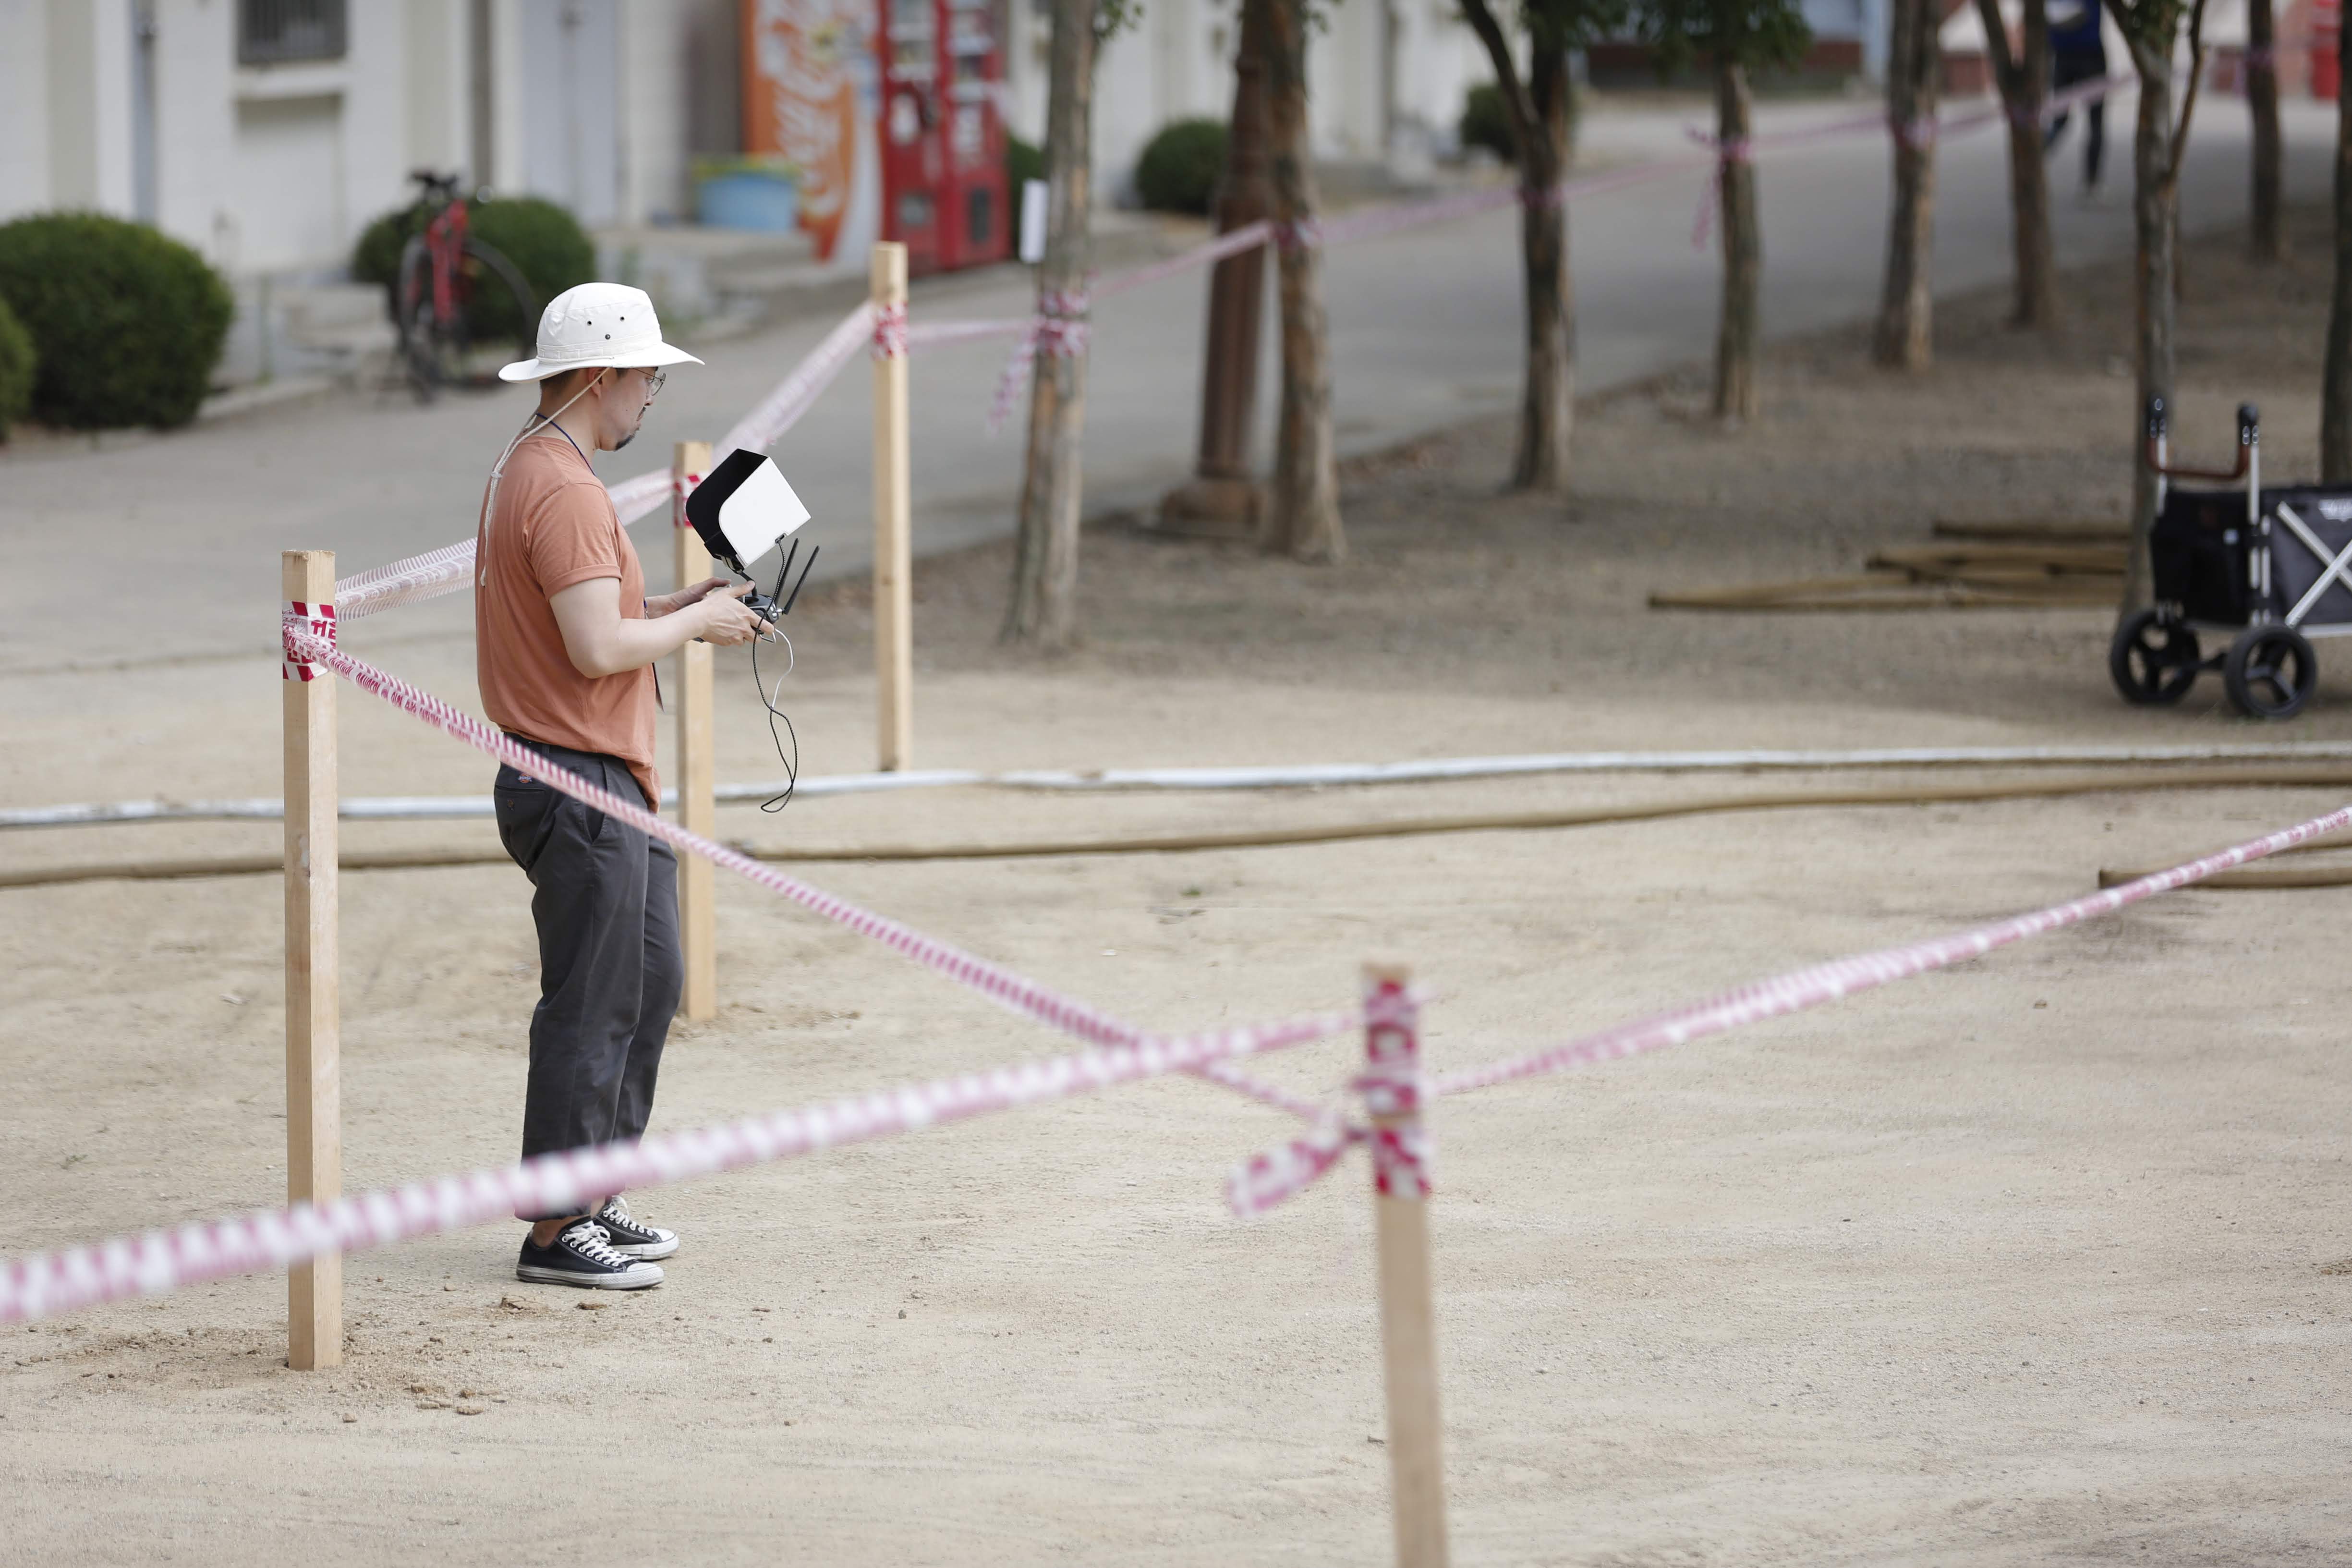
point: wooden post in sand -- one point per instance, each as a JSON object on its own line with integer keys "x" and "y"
{"x": 1400, "y": 1226}
{"x": 894, "y": 610}
{"x": 314, "y": 1122}
{"x": 697, "y": 920}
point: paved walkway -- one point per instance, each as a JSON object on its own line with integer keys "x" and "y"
{"x": 174, "y": 539}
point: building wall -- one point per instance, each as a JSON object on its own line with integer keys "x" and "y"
{"x": 267, "y": 168}
{"x": 437, "y": 79}
{"x": 24, "y": 102}
{"x": 1375, "y": 75}
{"x": 600, "y": 103}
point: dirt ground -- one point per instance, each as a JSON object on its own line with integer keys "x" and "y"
{"x": 2043, "y": 1259}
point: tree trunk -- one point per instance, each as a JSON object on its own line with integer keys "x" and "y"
{"x": 1043, "y": 612}
{"x": 2155, "y": 307}
{"x": 1743, "y": 247}
{"x": 1221, "y": 500}
{"x": 1541, "y": 115}
{"x": 2024, "y": 83}
{"x": 1304, "y": 520}
{"x": 1548, "y": 406}
{"x": 1906, "y": 321}
{"x": 2262, "y": 103}
{"x": 2335, "y": 388}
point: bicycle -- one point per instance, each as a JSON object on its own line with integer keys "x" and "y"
{"x": 449, "y": 284}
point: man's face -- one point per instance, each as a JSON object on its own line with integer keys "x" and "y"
{"x": 628, "y": 396}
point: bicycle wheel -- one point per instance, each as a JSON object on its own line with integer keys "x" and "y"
{"x": 425, "y": 349}
{"x": 495, "y": 306}
{"x": 489, "y": 303}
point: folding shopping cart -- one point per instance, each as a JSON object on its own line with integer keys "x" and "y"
{"x": 2272, "y": 568}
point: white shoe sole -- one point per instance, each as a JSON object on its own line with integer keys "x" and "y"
{"x": 638, "y": 1279}
{"x": 650, "y": 1251}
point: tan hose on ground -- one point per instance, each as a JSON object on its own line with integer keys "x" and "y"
{"x": 2306, "y": 777}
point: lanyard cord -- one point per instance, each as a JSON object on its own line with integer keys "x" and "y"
{"x": 499, "y": 472}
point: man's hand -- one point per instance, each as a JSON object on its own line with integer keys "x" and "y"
{"x": 601, "y": 643}
{"x": 661, "y": 605}
{"x": 723, "y": 617}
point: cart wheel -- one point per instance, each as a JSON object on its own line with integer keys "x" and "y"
{"x": 2270, "y": 672}
{"x": 2154, "y": 662}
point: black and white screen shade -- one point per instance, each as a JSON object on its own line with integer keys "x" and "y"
{"x": 745, "y": 508}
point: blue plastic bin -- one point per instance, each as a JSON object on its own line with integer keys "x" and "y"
{"x": 750, "y": 199}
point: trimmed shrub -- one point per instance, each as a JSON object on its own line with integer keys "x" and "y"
{"x": 1487, "y": 123}
{"x": 17, "y": 361}
{"x": 1180, "y": 166}
{"x": 542, "y": 238}
{"x": 126, "y": 324}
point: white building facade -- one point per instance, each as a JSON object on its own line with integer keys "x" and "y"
{"x": 266, "y": 133}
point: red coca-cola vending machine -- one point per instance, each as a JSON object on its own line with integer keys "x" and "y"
{"x": 943, "y": 182}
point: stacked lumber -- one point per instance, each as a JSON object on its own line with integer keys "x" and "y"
{"x": 2001, "y": 564}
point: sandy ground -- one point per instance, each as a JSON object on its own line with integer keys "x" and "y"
{"x": 2038, "y": 1261}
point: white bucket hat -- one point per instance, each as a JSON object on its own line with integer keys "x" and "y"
{"x": 597, "y": 324}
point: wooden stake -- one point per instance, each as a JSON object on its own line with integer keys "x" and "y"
{"x": 894, "y": 609}
{"x": 1400, "y": 1226}
{"x": 698, "y": 918}
{"x": 314, "y": 1128}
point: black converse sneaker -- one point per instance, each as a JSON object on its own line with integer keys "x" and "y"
{"x": 632, "y": 1239}
{"x": 582, "y": 1255}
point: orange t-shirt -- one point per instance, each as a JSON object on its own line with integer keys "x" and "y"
{"x": 555, "y": 526}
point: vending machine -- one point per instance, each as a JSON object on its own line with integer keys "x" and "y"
{"x": 943, "y": 135}
{"x": 892, "y": 117}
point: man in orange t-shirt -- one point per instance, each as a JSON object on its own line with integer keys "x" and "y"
{"x": 566, "y": 642}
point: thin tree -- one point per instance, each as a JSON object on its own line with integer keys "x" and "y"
{"x": 1906, "y": 319}
{"x": 2152, "y": 30}
{"x": 1733, "y": 36}
{"x": 2262, "y": 104}
{"x": 1304, "y": 519}
{"x": 1541, "y": 108}
{"x": 1044, "y": 611}
{"x": 2022, "y": 76}
{"x": 2336, "y": 386}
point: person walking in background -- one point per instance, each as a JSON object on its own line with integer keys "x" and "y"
{"x": 2079, "y": 54}
{"x": 565, "y": 641}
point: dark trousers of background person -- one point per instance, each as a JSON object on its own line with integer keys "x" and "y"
{"x": 2068, "y": 67}
{"x": 606, "y": 901}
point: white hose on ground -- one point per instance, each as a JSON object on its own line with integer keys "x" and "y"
{"x": 1435, "y": 770}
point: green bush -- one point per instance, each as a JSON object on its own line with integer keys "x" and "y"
{"x": 543, "y": 240}
{"x": 1487, "y": 123}
{"x": 1180, "y": 166}
{"x": 17, "y": 361}
{"x": 126, "y": 324}
{"x": 1023, "y": 163}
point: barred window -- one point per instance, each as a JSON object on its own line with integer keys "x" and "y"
{"x": 270, "y": 32}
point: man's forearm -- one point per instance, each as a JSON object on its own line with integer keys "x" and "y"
{"x": 632, "y": 645}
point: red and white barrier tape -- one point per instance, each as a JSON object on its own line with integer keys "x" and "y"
{"x": 1393, "y": 1085}
{"x": 451, "y": 567}
{"x": 1394, "y": 1093}
{"x": 311, "y": 620}
{"x": 890, "y": 332}
{"x": 43, "y": 1285}
{"x": 1739, "y": 149}
{"x": 1248, "y": 236}
{"x": 1058, "y": 330}
{"x": 447, "y": 569}
{"x": 798, "y": 391}
{"x": 1013, "y": 992}
{"x": 1840, "y": 977}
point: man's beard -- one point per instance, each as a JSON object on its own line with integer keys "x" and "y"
{"x": 624, "y": 440}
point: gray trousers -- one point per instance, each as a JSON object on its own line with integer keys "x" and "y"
{"x": 605, "y": 902}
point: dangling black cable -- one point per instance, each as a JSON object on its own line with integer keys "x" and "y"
{"x": 776, "y": 803}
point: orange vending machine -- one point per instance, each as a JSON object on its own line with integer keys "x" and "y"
{"x": 890, "y": 111}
